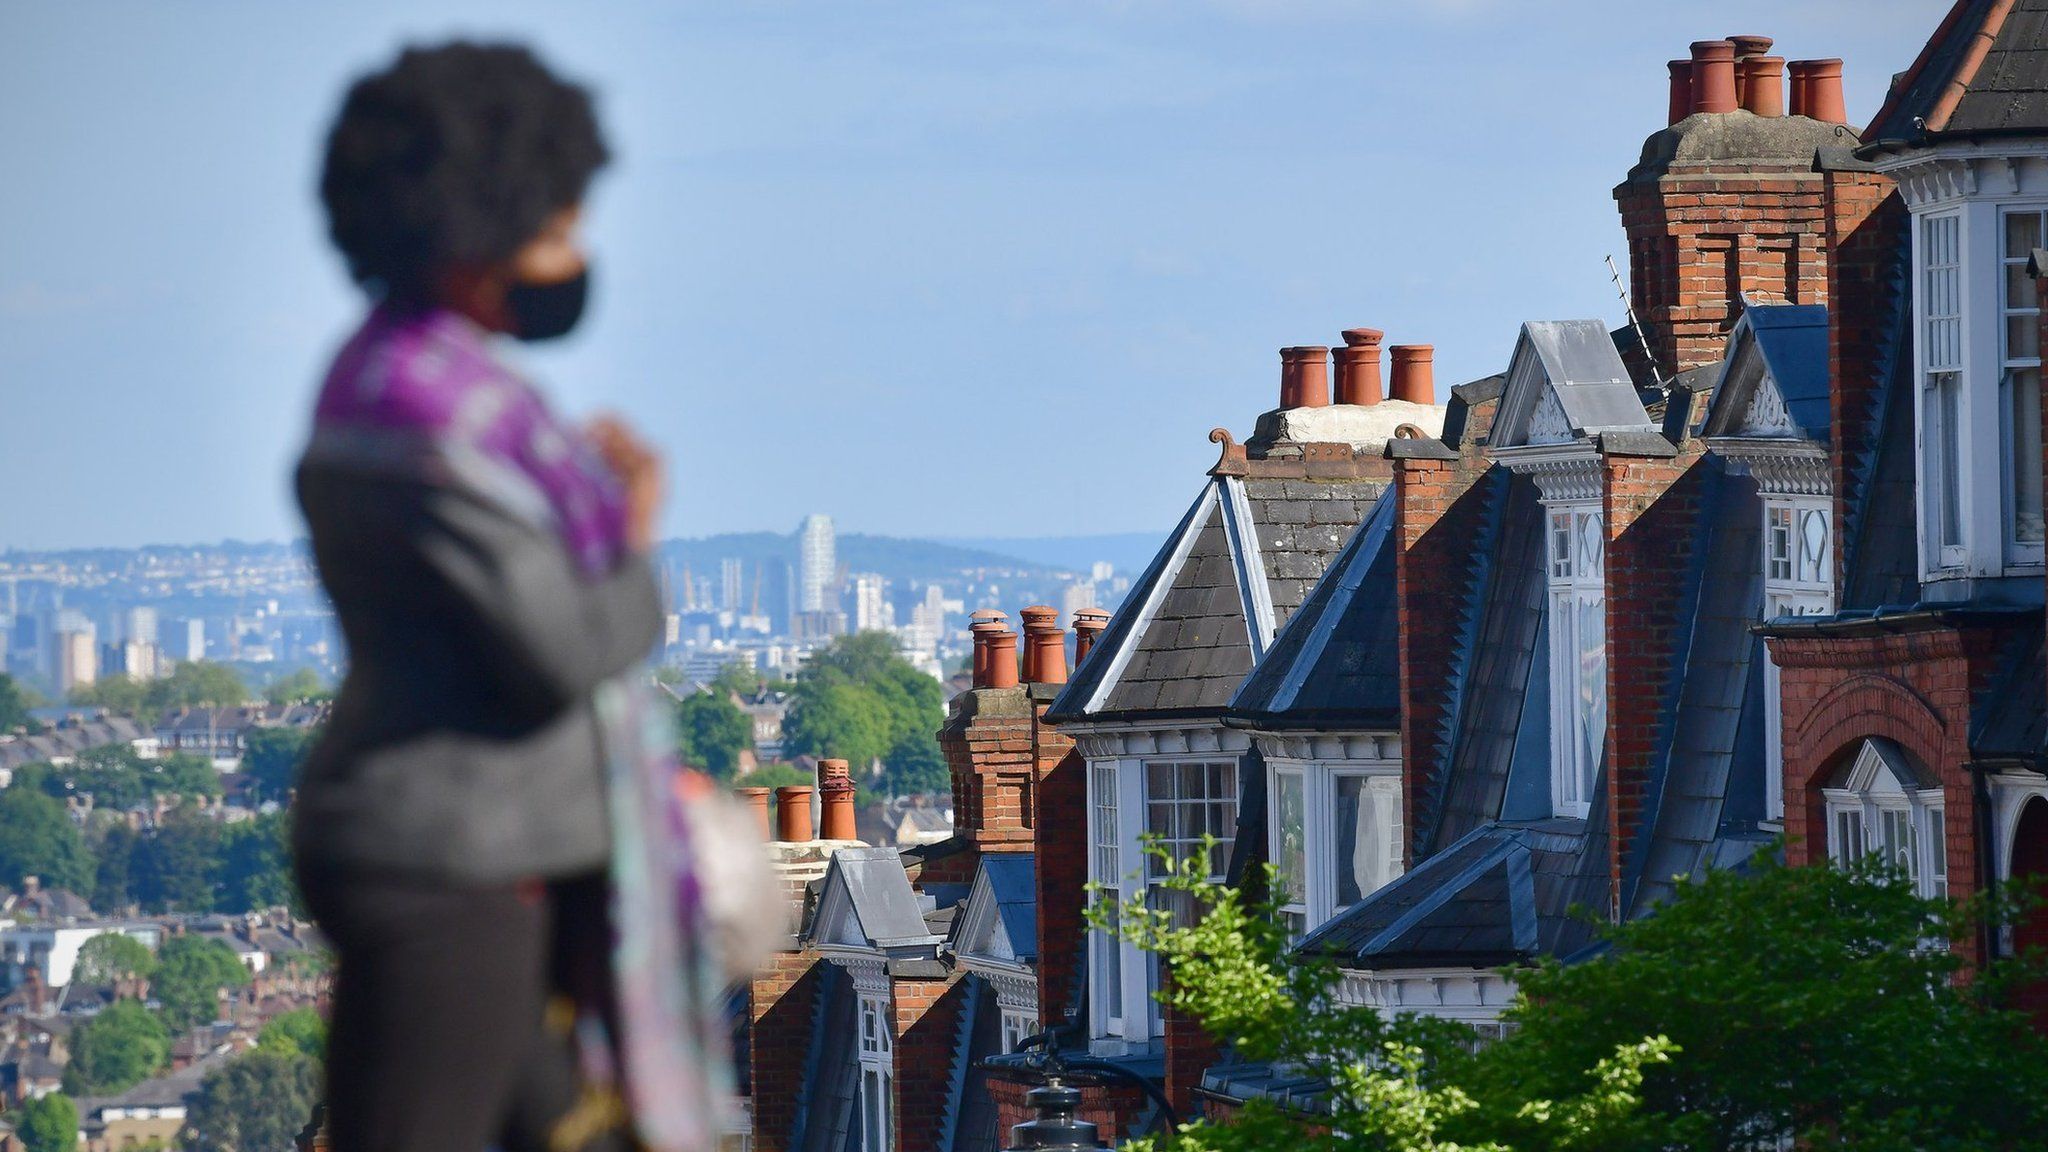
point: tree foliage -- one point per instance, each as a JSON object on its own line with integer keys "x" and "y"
{"x": 114, "y": 1051}
{"x": 738, "y": 678}
{"x": 191, "y": 973}
{"x": 37, "y": 838}
{"x": 859, "y": 700}
{"x": 299, "y": 1031}
{"x": 14, "y": 704}
{"x": 117, "y": 776}
{"x": 48, "y": 1124}
{"x": 1808, "y": 1007}
{"x": 176, "y": 866}
{"x": 257, "y": 1102}
{"x": 112, "y": 956}
{"x": 711, "y": 732}
{"x": 192, "y": 684}
{"x": 271, "y": 758}
{"x": 256, "y": 866}
{"x": 297, "y": 687}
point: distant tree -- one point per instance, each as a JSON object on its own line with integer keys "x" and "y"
{"x": 48, "y": 1124}
{"x": 176, "y": 865}
{"x": 776, "y": 775}
{"x": 119, "y": 694}
{"x": 837, "y": 717}
{"x": 255, "y": 866}
{"x": 14, "y": 704}
{"x": 112, "y": 956}
{"x": 859, "y": 700}
{"x": 257, "y": 1102}
{"x": 737, "y": 678}
{"x": 271, "y": 758}
{"x": 37, "y": 838}
{"x": 117, "y": 776}
{"x": 191, "y": 972}
{"x": 119, "y": 1048}
{"x": 113, "y": 863}
{"x": 916, "y": 765}
{"x": 199, "y": 684}
{"x": 298, "y": 687}
{"x": 300, "y": 1032}
{"x": 711, "y": 732}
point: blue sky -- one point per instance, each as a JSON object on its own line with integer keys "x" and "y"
{"x": 983, "y": 269}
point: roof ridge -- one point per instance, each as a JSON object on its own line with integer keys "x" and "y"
{"x": 1903, "y": 84}
{"x": 1966, "y": 71}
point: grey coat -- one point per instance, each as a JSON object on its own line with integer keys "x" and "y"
{"x": 463, "y": 744}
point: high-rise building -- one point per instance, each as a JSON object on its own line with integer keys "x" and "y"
{"x": 729, "y": 574}
{"x": 872, "y": 611}
{"x": 78, "y": 651}
{"x": 817, "y": 563}
{"x": 139, "y": 625}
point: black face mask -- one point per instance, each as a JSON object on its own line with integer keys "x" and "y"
{"x": 546, "y": 311}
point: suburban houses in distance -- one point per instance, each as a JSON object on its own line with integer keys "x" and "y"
{"x": 1761, "y": 565}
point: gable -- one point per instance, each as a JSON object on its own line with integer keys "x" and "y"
{"x": 1774, "y": 383}
{"x": 1565, "y": 381}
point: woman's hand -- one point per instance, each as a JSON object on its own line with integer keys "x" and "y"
{"x": 639, "y": 470}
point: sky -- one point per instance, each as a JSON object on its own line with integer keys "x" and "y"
{"x": 933, "y": 269}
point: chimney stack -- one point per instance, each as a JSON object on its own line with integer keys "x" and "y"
{"x": 1358, "y": 377}
{"x": 1681, "y": 91}
{"x": 1414, "y": 373}
{"x": 986, "y": 621}
{"x": 1763, "y": 84}
{"x": 1045, "y": 646}
{"x": 1304, "y": 376}
{"x": 1713, "y": 76}
{"x": 1817, "y": 90}
{"x": 1088, "y": 626}
{"x": 835, "y": 780}
{"x": 793, "y": 813}
{"x": 756, "y": 800}
{"x": 1002, "y": 657}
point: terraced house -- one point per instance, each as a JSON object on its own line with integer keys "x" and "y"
{"x": 1761, "y": 563}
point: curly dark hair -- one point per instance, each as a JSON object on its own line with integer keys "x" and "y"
{"x": 454, "y": 154}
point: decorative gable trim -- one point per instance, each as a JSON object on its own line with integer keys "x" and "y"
{"x": 1120, "y": 741}
{"x": 1253, "y": 591}
{"x": 1766, "y": 414}
{"x": 1780, "y": 467}
{"x": 1561, "y": 472}
{"x": 1548, "y": 424}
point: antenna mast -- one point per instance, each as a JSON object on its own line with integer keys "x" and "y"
{"x": 1635, "y": 325}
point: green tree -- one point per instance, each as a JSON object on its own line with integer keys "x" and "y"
{"x": 711, "y": 732}
{"x": 298, "y": 687}
{"x": 199, "y": 684}
{"x": 48, "y": 1124}
{"x": 113, "y": 863}
{"x": 917, "y": 765}
{"x": 300, "y": 1031}
{"x": 737, "y": 678}
{"x": 37, "y": 838}
{"x": 14, "y": 705}
{"x": 177, "y": 865}
{"x": 123, "y": 695}
{"x": 858, "y": 699}
{"x": 776, "y": 775}
{"x": 116, "y": 776}
{"x": 112, "y": 956}
{"x": 271, "y": 758}
{"x": 256, "y": 867}
{"x": 191, "y": 972}
{"x": 837, "y": 717}
{"x": 257, "y": 1102}
{"x": 114, "y": 1051}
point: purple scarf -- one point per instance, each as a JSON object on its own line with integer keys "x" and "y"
{"x": 430, "y": 376}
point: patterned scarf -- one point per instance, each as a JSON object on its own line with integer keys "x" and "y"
{"x": 421, "y": 395}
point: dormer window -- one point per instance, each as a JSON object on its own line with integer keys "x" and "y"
{"x": 1578, "y": 653}
{"x": 1879, "y": 807}
{"x": 877, "y": 1072}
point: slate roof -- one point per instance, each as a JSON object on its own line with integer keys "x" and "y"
{"x": 1242, "y": 560}
{"x": 1878, "y": 533}
{"x": 2006, "y": 717}
{"x": 1335, "y": 665}
{"x": 889, "y": 913}
{"x": 1960, "y": 86}
{"x": 1790, "y": 343}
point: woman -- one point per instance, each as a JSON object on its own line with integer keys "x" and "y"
{"x": 488, "y": 565}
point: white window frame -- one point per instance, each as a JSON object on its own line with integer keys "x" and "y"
{"x": 2022, "y": 315}
{"x": 1122, "y": 976}
{"x": 1017, "y": 1024}
{"x": 1316, "y": 893}
{"x": 877, "y": 1085}
{"x": 1797, "y": 582}
{"x": 1941, "y": 291}
{"x": 1575, "y": 555}
{"x": 1881, "y": 804}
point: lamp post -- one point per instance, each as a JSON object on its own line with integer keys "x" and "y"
{"x": 1056, "y": 1129}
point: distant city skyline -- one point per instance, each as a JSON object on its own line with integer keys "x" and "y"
{"x": 931, "y": 270}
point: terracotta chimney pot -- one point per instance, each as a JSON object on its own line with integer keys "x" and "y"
{"x": 1002, "y": 658}
{"x": 1681, "y": 91}
{"x": 1088, "y": 626}
{"x": 985, "y": 620}
{"x": 1308, "y": 367}
{"x": 1763, "y": 85}
{"x": 1358, "y": 370}
{"x": 793, "y": 813}
{"x": 756, "y": 800}
{"x": 1414, "y": 373}
{"x": 1801, "y": 76}
{"x": 1035, "y": 619}
{"x": 1045, "y": 646}
{"x": 836, "y": 782}
{"x": 1751, "y": 45}
{"x": 1713, "y": 76}
{"x": 1824, "y": 91}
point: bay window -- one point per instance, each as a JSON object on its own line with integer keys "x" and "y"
{"x": 1576, "y": 551}
{"x": 1799, "y": 580}
{"x": 1336, "y": 836}
{"x": 2020, "y": 382}
{"x": 877, "y": 1073}
{"x": 1942, "y": 408}
{"x": 1881, "y": 809}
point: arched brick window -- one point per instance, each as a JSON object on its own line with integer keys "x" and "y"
{"x": 1880, "y": 804}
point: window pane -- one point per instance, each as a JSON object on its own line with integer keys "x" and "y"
{"x": 1937, "y": 851}
{"x": 1365, "y": 835}
{"x": 1813, "y": 547}
{"x": 1561, "y": 545}
{"x": 2019, "y": 287}
{"x": 1948, "y": 421}
{"x": 1848, "y": 845}
{"x": 2026, "y": 455}
{"x": 2022, "y": 234}
{"x": 1592, "y": 690}
{"x": 1778, "y": 543}
{"x": 1896, "y": 828}
{"x": 1290, "y": 856}
{"x": 2023, "y": 337}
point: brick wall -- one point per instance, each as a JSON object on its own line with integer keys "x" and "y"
{"x": 987, "y": 742}
{"x": 1700, "y": 234}
{"x": 1061, "y": 848}
{"x": 926, "y": 1016}
{"x": 1651, "y": 506}
{"x": 1189, "y": 1053}
{"x": 1436, "y": 517}
{"x": 784, "y": 999}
